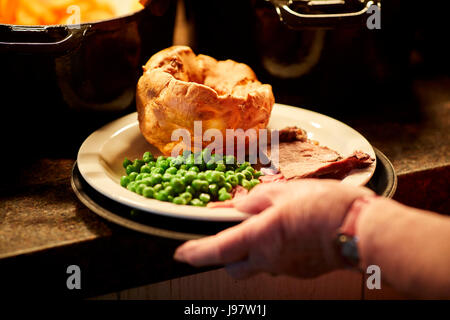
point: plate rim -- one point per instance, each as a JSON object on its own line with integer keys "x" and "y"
{"x": 167, "y": 209}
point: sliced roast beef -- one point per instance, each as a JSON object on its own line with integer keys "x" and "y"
{"x": 305, "y": 159}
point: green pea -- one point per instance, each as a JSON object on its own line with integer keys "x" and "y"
{"x": 124, "y": 181}
{"x": 233, "y": 180}
{"x": 257, "y": 174}
{"x": 191, "y": 190}
{"x": 156, "y": 178}
{"x": 243, "y": 166}
{"x": 221, "y": 180}
{"x": 170, "y": 159}
{"x": 151, "y": 164}
{"x": 229, "y": 173}
{"x": 217, "y": 158}
{"x": 166, "y": 177}
{"x": 190, "y": 162}
{"x": 131, "y": 168}
{"x": 230, "y": 159}
{"x": 186, "y": 196}
{"x": 224, "y": 196}
{"x": 189, "y": 177}
{"x": 140, "y": 176}
{"x": 132, "y": 186}
{"x": 140, "y": 188}
{"x": 170, "y": 190}
{"x": 162, "y": 195}
{"x": 183, "y": 167}
{"x": 204, "y": 197}
{"x": 126, "y": 162}
{"x": 157, "y": 187}
{"x": 201, "y": 176}
{"x": 175, "y": 163}
{"x": 170, "y": 198}
{"x": 148, "y": 192}
{"x": 172, "y": 170}
{"x": 197, "y": 202}
{"x": 138, "y": 163}
{"x": 221, "y": 167}
{"x": 177, "y": 185}
{"x": 164, "y": 164}
{"x": 194, "y": 168}
{"x": 208, "y": 175}
{"x": 165, "y": 184}
{"x": 181, "y": 172}
{"x": 157, "y": 170}
{"x": 146, "y": 181}
{"x": 254, "y": 182}
{"x": 160, "y": 158}
{"x": 206, "y": 154}
{"x": 240, "y": 177}
{"x": 133, "y": 176}
{"x": 214, "y": 177}
{"x": 222, "y": 190}
{"x": 200, "y": 185}
{"x": 246, "y": 184}
{"x": 251, "y": 169}
{"x": 147, "y": 157}
{"x": 179, "y": 200}
{"x": 228, "y": 186}
{"x": 248, "y": 175}
{"x": 146, "y": 175}
{"x": 213, "y": 189}
{"x": 186, "y": 153}
{"x": 200, "y": 164}
{"x": 197, "y": 184}
{"x": 197, "y": 154}
{"x": 211, "y": 165}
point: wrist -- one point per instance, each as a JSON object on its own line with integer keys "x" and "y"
{"x": 346, "y": 238}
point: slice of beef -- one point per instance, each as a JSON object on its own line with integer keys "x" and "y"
{"x": 289, "y": 134}
{"x": 300, "y": 159}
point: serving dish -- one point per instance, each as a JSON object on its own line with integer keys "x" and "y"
{"x": 100, "y": 159}
{"x": 63, "y": 81}
{"x": 383, "y": 182}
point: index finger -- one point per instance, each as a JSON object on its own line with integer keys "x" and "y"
{"x": 228, "y": 246}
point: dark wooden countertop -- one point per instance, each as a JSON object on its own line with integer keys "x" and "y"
{"x": 44, "y": 228}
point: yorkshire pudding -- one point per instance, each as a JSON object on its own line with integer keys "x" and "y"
{"x": 178, "y": 88}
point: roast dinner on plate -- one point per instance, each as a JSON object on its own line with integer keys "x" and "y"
{"x": 177, "y": 90}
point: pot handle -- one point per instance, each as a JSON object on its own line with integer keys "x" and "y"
{"x": 71, "y": 40}
{"x": 324, "y": 18}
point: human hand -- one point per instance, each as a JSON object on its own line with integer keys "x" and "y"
{"x": 291, "y": 232}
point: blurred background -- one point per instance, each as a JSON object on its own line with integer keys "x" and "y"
{"x": 58, "y": 94}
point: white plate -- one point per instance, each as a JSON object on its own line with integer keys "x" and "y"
{"x": 100, "y": 158}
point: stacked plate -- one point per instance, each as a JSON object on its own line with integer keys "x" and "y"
{"x": 96, "y": 175}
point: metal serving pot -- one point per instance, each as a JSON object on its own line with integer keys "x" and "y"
{"x": 60, "y": 82}
{"x": 315, "y": 53}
